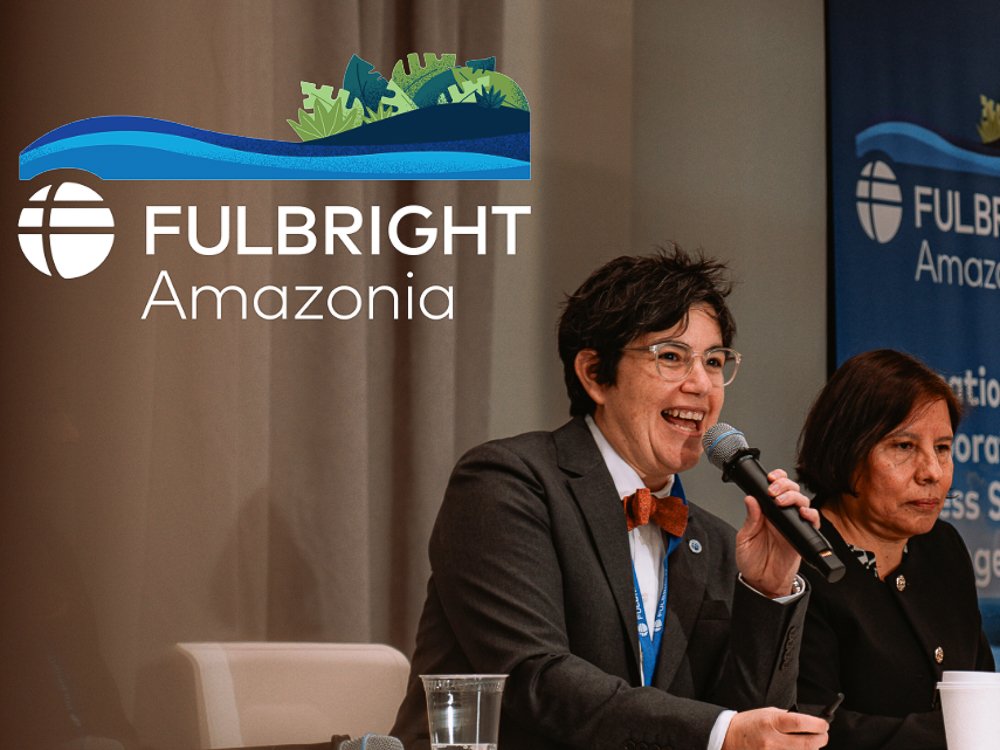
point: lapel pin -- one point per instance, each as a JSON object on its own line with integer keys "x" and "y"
{"x": 695, "y": 546}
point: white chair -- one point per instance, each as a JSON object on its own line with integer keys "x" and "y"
{"x": 294, "y": 693}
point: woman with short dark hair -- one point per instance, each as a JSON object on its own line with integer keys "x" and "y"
{"x": 876, "y": 451}
{"x": 549, "y": 548}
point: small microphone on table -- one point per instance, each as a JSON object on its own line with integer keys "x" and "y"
{"x": 726, "y": 447}
{"x": 372, "y": 742}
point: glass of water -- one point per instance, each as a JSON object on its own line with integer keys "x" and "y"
{"x": 463, "y": 710}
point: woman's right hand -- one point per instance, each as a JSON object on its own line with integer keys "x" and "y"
{"x": 775, "y": 729}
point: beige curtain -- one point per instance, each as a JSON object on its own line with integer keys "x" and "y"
{"x": 211, "y": 480}
{"x": 234, "y": 479}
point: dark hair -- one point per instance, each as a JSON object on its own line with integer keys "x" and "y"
{"x": 869, "y": 396}
{"x": 629, "y": 297}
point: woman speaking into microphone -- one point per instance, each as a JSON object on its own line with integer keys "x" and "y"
{"x": 876, "y": 451}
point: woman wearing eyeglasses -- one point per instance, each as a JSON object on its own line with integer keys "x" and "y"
{"x": 876, "y": 451}
{"x": 624, "y": 615}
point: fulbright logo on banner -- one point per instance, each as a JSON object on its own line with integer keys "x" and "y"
{"x": 879, "y": 201}
{"x": 879, "y": 198}
{"x": 64, "y": 230}
{"x": 429, "y": 121}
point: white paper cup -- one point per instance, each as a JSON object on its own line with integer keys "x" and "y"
{"x": 954, "y": 677}
{"x": 971, "y": 714}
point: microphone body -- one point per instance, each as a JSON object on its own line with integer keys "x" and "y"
{"x": 727, "y": 449}
{"x": 372, "y": 742}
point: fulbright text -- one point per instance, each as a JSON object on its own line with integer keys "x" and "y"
{"x": 297, "y": 230}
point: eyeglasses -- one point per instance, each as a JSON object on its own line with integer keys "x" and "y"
{"x": 674, "y": 361}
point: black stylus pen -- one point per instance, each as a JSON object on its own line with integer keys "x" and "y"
{"x": 828, "y": 711}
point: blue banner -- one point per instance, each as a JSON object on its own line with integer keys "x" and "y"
{"x": 915, "y": 193}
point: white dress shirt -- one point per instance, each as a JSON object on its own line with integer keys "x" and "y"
{"x": 648, "y": 550}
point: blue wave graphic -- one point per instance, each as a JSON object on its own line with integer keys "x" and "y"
{"x": 138, "y": 148}
{"x": 907, "y": 143}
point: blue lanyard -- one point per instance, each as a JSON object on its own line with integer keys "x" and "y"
{"x": 650, "y": 637}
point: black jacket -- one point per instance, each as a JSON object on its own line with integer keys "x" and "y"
{"x": 885, "y": 644}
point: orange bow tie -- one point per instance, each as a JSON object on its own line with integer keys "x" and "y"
{"x": 669, "y": 513}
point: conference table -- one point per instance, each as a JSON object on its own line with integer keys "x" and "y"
{"x": 332, "y": 744}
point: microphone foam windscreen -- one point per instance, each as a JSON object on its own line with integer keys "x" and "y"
{"x": 722, "y": 442}
{"x": 372, "y": 742}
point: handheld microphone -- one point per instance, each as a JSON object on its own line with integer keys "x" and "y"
{"x": 726, "y": 447}
{"x": 372, "y": 742}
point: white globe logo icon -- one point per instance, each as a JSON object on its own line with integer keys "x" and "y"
{"x": 69, "y": 241}
{"x": 880, "y": 201}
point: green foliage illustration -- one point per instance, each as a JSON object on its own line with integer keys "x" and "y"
{"x": 468, "y": 92}
{"x": 989, "y": 124}
{"x": 367, "y": 97}
{"x": 399, "y": 101}
{"x": 419, "y": 74}
{"x": 490, "y": 98}
{"x": 329, "y": 115}
{"x": 311, "y": 91}
{"x": 513, "y": 96}
{"x": 431, "y": 89}
{"x": 384, "y": 112}
{"x": 363, "y": 81}
{"x": 487, "y": 63}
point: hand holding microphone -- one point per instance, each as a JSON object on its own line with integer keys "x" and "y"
{"x": 726, "y": 447}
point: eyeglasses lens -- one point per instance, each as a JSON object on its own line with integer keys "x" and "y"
{"x": 674, "y": 362}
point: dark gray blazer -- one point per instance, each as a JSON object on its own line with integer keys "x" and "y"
{"x": 532, "y": 577}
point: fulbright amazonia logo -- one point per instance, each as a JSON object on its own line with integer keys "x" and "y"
{"x": 64, "y": 230}
{"x": 879, "y": 201}
{"x": 430, "y": 120}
